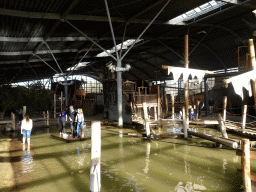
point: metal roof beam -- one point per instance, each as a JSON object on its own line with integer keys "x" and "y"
{"x": 41, "y": 39}
{"x": 231, "y": 1}
{"x": 71, "y": 17}
{"x": 72, "y": 5}
{"x": 44, "y": 52}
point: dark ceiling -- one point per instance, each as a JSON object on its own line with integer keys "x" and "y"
{"x": 27, "y": 24}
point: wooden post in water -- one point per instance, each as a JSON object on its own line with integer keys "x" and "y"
{"x": 95, "y": 174}
{"x": 244, "y": 117}
{"x": 172, "y": 106}
{"x": 166, "y": 102}
{"x": 146, "y": 122}
{"x": 47, "y": 118}
{"x": 197, "y": 109}
{"x": 184, "y": 122}
{"x": 13, "y": 121}
{"x": 245, "y": 162}
{"x": 54, "y": 100}
{"x": 222, "y": 127}
{"x": 225, "y": 108}
{"x": 158, "y": 102}
{"x": 186, "y": 94}
{"x": 155, "y": 112}
{"x": 24, "y": 111}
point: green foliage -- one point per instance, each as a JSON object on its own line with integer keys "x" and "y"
{"x": 35, "y": 97}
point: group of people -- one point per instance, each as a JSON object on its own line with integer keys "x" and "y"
{"x": 76, "y": 120}
{"x": 76, "y": 123}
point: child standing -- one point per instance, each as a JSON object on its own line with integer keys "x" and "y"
{"x": 26, "y": 127}
{"x": 79, "y": 120}
{"x": 192, "y": 114}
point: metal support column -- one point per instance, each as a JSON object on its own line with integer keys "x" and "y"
{"x": 66, "y": 91}
{"x": 206, "y": 96}
{"x": 119, "y": 95}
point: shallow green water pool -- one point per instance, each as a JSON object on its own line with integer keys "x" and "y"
{"x": 127, "y": 164}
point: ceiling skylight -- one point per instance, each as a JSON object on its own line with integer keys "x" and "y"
{"x": 76, "y": 67}
{"x": 126, "y": 44}
{"x": 201, "y": 10}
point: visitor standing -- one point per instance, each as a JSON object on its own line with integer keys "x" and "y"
{"x": 201, "y": 105}
{"x": 149, "y": 112}
{"x": 26, "y": 128}
{"x": 192, "y": 114}
{"x": 63, "y": 119}
{"x": 72, "y": 115}
{"x": 80, "y": 120}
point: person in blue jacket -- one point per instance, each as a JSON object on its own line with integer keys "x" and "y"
{"x": 63, "y": 119}
{"x": 192, "y": 114}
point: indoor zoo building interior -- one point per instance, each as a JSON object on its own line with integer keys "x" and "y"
{"x": 138, "y": 95}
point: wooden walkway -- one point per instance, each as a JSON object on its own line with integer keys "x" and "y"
{"x": 236, "y": 127}
{"x": 69, "y": 138}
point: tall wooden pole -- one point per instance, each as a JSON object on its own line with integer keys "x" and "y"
{"x": 252, "y": 54}
{"x": 54, "y": 101}
{"x": 95, "y": 174}
{"x": 172, "y": 106}
{"x": 185, "y": 78}
{"x": 252, "y": 67}
{"x": 225, "y": 108}
{"x": 166, "y": 102}
{"x": 146, "y": 121}
{"x": 184, "y": 122}
{"x": 158, "y": 102}
{"x": 244, "y": 117}
{"x": 13, "y": 121}
{"x": 206, "y": 96}
{"x": 47, "y": 118}
{"x": 155, "y": 112}
{"x": 24, "y": 111}
{"x": 245, "y": 162}
{"x": 197, "y": 111}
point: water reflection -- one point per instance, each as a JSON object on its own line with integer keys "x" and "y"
{"x": 147, "y": 159}
{"x": 79, "y": 158}
{"x": 27, "y": 161}
{"x": 224, "y": 165}
{"x": 189, "y": 187}
{"x": 121, "y": 149}
{"x": 186, "y": 164}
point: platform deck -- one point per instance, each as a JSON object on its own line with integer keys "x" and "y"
{"x": 69, "y": 138}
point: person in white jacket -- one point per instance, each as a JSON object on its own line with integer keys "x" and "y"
{"x": 26, "y": 128}
{"x": 80, "y": 121}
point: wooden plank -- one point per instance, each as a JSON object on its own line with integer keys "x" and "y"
{"x": 252, "y": 153}
{"x": 69, "y": 138}
{"x": 253, "y": 174}
{"x": 5, "y": 122}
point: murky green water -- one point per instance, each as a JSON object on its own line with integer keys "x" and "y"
{"x": 127, "y": 164}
